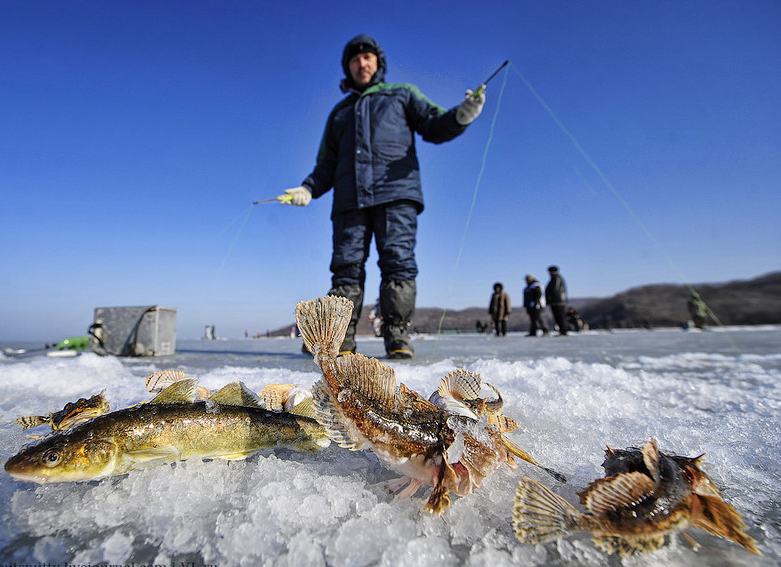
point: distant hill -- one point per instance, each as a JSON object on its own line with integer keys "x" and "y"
{"x": 750, "y": 302}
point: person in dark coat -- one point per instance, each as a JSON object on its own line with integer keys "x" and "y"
{"x": 367, "y": 155}
{"x": 556, "y": 296}
{"x": 499, "y": 309}
{"x": 532, "y": 301}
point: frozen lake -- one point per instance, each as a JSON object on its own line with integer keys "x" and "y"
{"x": 716, "y": 392}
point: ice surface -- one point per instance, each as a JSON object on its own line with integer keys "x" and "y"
{"x": 716, "y": 392}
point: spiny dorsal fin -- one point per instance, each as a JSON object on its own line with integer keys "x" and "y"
{"x": 323, "y": 323}
{"x": 181, "y": 392}
{"x": 451, "y": 405}
{"x": 328, "y": 415}
{"x": 460, "y": 384}
{"x": 237, "y": 394}
{"x": 717, "y": 517}
{"x": 275, "y": 395}
{"x": 505, "y": 424}
{"x": 621, "y": 491}
{"x": 160, "y": 380}
{"x": 651, "y": 458}
{"x": 370, "y": 377}
{"x": 305, "y": 409}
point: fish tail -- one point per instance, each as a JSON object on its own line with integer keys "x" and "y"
{"x": 539, "y": 515}
{"x": 323, "y": 323}
{"x": 716, "y": 517}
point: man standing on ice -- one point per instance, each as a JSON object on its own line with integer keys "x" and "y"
{"x": 367, "y": 155}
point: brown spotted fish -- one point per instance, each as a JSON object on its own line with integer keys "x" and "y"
{"x": 361, "y": 407}
{"x": 459, "y": 393}
{"x": 72, "y": 414}
{"x": 645, "y": 497}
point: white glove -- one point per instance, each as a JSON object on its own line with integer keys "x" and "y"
{"x": 471, "y": 107}
{"x": 299, "y": 196}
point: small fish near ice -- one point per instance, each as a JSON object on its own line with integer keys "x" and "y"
{"x": 645, "y": 497}
{"x": 231, "y": 424}
{"x": 452, "y": 447}
{"x": 71, "y": 415}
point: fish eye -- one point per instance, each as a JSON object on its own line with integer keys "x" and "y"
{"x": 52, "y": 457}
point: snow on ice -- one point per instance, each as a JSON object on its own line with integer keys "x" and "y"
{"x": 716, "y": 392}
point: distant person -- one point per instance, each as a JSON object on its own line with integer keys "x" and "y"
{"x": 534, "y": 304}
{"x": 556, "y": 297}
{"x": 367, "y": 155}
{"x": 698, "y": 311}
{"x": 499, "y": 309}
{"x": 574, "y": 322}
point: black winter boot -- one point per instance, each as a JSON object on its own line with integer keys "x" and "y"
{"x": 397, "y": 303}
{"x": 354, "y": 293}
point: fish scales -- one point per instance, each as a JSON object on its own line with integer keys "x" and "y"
{"x": 118, "y": 442}
{"x": 357, "y": 401}
{"x": 646, "y": 498}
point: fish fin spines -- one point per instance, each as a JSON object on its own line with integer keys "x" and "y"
{"x": 439, "y": 501}
{"x": 369, "y": 377}
{"x": 237, "y": 394}
{"x": 328, "y": 414}
{"x": 460, "y": 384}
{"x": 306, "y": 408}
{"x": 406, "y": 487}
{"x": 161, "y": 379}
{"x": 274, "y": 395}
{"x": 167, "y": 452}
{"x": 621, "y": 491}
{"x": 651, "y": 458}
{"x": 540, "y": 515}
{"x": 719, "y": 518}
{"x": 323, "y": 324}
{"x": 181, "y": 392}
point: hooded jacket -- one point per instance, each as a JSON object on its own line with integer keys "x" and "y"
{"x": 367, "y": 153}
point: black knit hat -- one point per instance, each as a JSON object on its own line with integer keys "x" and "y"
{"x": 363, "y": 44}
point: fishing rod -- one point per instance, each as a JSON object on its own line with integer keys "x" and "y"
{"x": 481, "y": 88}
{"x": 280, "y": 199}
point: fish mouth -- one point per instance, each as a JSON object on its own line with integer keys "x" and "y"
{"x": 28, "y": 477}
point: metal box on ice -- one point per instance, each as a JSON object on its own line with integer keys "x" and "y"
{"x": 134, "y": 331}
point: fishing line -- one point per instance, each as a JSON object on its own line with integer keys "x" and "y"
{"x": 610, "y": 186}
{"x": 477, "y": 187}
{"x": 245, "y": 216}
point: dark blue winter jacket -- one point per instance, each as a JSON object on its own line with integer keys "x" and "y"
{"x": 367, "y": 153}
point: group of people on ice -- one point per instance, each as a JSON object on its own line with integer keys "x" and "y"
{"x": 534, "y": 301}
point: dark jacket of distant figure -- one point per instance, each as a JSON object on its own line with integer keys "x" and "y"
{"x": 556, "y": 291}
{"x": 499, "y": 307}
{"x": 532, "y": 294}
{"x": 367, "y": 153}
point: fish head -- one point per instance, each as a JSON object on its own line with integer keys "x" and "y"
{"x": 61, "y": 459}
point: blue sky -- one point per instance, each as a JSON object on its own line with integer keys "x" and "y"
{"x": 634, "y": 143}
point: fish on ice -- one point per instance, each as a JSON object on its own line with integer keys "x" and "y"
{"x": 453, "y": 448}
{"x": 71, "y": 415}
{"x": 232, "y": 424}
{"x": 645, "y": 497}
